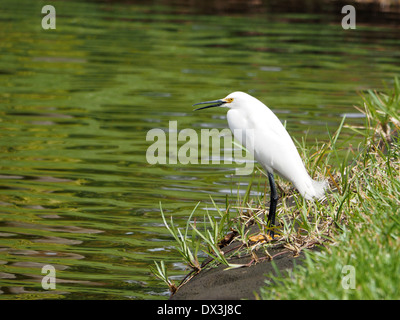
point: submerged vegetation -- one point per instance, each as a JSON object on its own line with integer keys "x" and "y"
{"x": 356, "y": 226}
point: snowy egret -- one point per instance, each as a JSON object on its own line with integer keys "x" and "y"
{"x": 272, "y": 146}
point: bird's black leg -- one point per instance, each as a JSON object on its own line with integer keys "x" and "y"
{"x": 273, "y": 203}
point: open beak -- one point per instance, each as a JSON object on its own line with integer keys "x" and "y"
{"x": 214, "y": 103}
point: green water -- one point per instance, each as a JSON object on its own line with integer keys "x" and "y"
{"x": 76, "y": 103}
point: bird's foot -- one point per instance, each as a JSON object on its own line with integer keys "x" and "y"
{"x": 262, "y": 238}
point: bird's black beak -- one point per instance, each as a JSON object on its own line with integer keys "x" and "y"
{"x": 215, "y": 103}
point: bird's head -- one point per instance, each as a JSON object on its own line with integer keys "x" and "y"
{"x": 233, "y": 100}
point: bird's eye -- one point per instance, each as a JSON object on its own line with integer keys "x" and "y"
{"x": 229, "y": 100}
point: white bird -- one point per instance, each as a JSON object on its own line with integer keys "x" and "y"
{"x": 263, "y": 133}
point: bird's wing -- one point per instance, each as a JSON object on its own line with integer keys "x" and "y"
{"x": 273, "y": 147}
